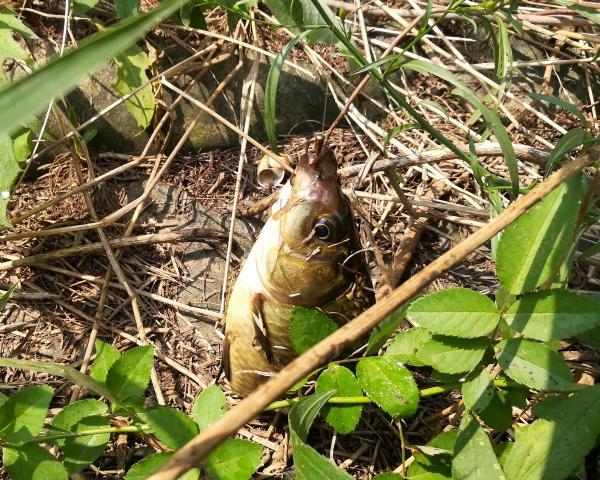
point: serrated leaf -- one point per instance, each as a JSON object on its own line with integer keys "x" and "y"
{"x": 172, "y": 427}
{"x": 451, "y": 354}
{"x": 65, "y": 371}
{"x": 553, "y": 447}
{"x": 310, "y": 465}
{"x": 130, "y": 374}
{"x": 209, "y": 407}
{"x": 127, "y": 8}
{"x": 234, "y": 459}
{"x": 66, "y": 419}
{"x": 553, "y": 315}
{"x": 478, "y": 390}
{"x": 343, "y": 418}
{"x": 106, "y": 356}
{"x": 437, "y": 467}
{"x": 22, "y": 416}
{"x": 31, "y": 462}
{"x": 79, "y": 452}
{"x": 131, "y": 74}
{"x": 385, "y": 330}
{"x": 308, "y": 327}
{"x": 458, "y": 312}
{"x": 143, "y": 469}
{"x": 304, "y": 412}
{"x": 498, "y": 413}
{"x": 533, "y": 364}
{"x": 533, "y": 246}
{"x": 406, "y": 345}
{"x": 147, "y": 466}
{"x": 474, "y": 457}
{"x": 389, "y": 384}
{"x": 24, "y": 98}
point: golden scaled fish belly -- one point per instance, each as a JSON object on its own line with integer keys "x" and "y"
{"x": 307, "y": 254}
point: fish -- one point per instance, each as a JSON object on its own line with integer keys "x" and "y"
{"x": 307, "y": 254}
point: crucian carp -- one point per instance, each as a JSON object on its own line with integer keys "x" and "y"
{"x": 308, "y": 254}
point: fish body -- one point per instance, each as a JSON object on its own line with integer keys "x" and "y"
{"x": 307, "y": 254}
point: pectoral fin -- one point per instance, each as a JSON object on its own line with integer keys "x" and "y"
{"x": 261, "y": 336}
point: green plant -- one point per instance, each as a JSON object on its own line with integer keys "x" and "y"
{"x": 82, "y": 429}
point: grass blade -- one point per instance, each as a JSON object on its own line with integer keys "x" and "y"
{"x": 28, "y": 96}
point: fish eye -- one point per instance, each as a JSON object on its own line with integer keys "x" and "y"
{"x": 323, "y": 229}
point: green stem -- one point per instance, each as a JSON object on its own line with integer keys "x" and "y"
{"x": 91, "y": 431}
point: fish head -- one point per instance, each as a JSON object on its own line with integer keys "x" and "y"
{"x": 316, "y": 234}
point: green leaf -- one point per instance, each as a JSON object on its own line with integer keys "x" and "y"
{"x": 9, "y": 47}
{"x": 150, "y": 464}
{"x": 553, "y": 315}
{"x": 458, "y": 312}
{"x": 131, "y": 74}
{"x": 31, "y": 462}
{"x": 453, "y": 355}
{"x": 533, "y": 364}
{"x": 10, "y": 172}
{"x": 130, "y": 374}
{"x": 343, "y": 418}
{"x": 498, "y": 414}
{"x": 590, "y": 337}
{"x": 79, "y": 452}
{"x": 388, "y": 476}
{"x": 308, "y": 327}
{"x": 209, "y": 407}
{"x": 65, "y": 371}
{"x": 66, "y": 419}
{"x": 569, "y": 141}
{"x": 83, "y": 6}
{"x": 271, "y": 90}
{"x": 11, "y": 22}
{"x": 300, "y": 16}
{"x": 127, "y": 8}
{"x": 24, "y": 98}
{"x": 478, "y": 390}
{"x": 489, "y": 116}
{"x": 436, "y": 467}
{"x": 147, "y": 466}
{"x": 406, "y": 345}
{"x": 389, "y": 384}
{"x": 310, "y": 465}
{"x": 6, "y": 296}
{"x": 172, "y": 427}
{"x": 106, "y": 356}
{"x": 22, "y": 416}
{"x": 474, "y": 457}
{"x": 234, "y": 459}
{"x": 304, "y": 412}
{"x": 553, "y": 447}
{"x": 532, "y": 247}
{"x": 385, "y": 330}
{"x": 587, "y": 12}
{"x": 561, "y": 103}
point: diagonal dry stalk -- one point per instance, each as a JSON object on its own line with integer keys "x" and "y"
{"x": 192, "y": 454}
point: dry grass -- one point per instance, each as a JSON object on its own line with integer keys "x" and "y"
{"x": 60, "y": 304}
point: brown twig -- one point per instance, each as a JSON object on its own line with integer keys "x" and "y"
{"x": 185, "y": 235}
{"x": 192, "y": 453}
